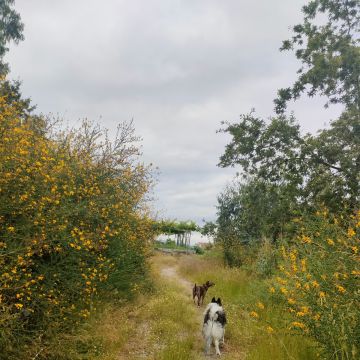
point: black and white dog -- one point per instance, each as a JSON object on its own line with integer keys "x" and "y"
{"x": 214, "y": 325}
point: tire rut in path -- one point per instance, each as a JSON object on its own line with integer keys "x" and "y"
{"x": 171, "y": 274}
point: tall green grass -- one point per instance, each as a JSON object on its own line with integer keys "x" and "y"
{"x": 247, "y": 337}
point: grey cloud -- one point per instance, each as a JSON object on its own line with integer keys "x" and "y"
{"x": 178, "y": 67}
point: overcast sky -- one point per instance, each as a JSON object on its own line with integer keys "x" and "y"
{"x": 177, "y": 67}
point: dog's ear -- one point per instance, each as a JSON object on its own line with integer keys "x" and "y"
{"x": 219, "y": 302}
{"x": 213, "y": 300}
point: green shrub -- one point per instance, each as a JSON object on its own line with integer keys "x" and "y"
{"x": 73, "y": 225}
{"x": 265, "y": 263}
{"x": 319, "y": 282}
{"x": 198, "y": 250}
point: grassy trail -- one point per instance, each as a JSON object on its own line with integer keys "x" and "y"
{"x": 166, "y": 325}
{"x": 162, "y": 325}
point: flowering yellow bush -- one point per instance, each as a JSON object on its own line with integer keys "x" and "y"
{"x": 73, "y": 222}
{"x": 320, "y": 282}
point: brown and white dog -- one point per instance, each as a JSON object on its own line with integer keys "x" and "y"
{"x": 200, "y": 291}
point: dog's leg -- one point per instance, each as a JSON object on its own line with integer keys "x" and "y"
{"x": 217, "y": 346}
{"x": 223, "y": 338}
{"x": 207, "y": 345}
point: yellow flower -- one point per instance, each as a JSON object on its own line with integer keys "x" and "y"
{"x": 303, "y": 265}
{"x": 272, "y": 290}
{"x": 291, "y": 301}
{"x": 269, "y": 329}
{"x": 292, "y": 256}
{"x": 260, "y": 305}
{"x": 305, "y": 309}
{"x": 297, "y": 324}
{"x": 330, "y": 242}
{"x": 283, "y": 290}
{"x": 11, "y": 229}
{"x": 355, "y": 249}
{"x": 351, "y": 232}
{"x": 322, "y": 294}
{"x": 254, "y": 314}
{"x": 340, "y": 289}
{"x": 19, "y": 306}
{"x": 315, "y": 284}
{"x": 305, "y": 239}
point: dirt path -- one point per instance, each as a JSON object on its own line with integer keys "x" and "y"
{"x": 167, "y": 324}
{"x": 171, "y": 274}
{"x": 164, "y": 323}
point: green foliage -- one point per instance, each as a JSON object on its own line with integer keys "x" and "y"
{"x": 268, "y": 151}
{"x": 265, "y": 262}
{"x": 169, "y": 244}
{"x": 11, "y": 29}
{"x": 287, "y": 173}
{"x": 198, "y": 250}
{"x": 252, "y": 210}
{"x": 208, "y": 229}
{"x": 332, "y": 160}
{"x": 173, "y": 227}
{"x": 329, "y": 52}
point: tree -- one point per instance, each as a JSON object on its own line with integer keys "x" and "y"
{"x": 252, "y": 210}
{"x": 208, "y": 229}
{"x": 308, "y": 171}
{"x": 329, "y": 53}
{"x": 332, "y": 161}
{"x": 11, "y": 29}
{"x": 267, "y": 151}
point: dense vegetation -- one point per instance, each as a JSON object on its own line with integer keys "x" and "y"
{"x": 293, "y": 213}
{"x": 73, "y": 225}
